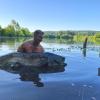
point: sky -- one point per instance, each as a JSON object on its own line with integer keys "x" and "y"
{"x": 52, "y": 15}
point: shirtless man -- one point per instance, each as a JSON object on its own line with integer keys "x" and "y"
{"x": 33, "y": 45}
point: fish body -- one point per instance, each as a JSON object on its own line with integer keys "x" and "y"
{"x": 18, "y": 62}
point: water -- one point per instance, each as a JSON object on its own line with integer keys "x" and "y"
{"x": 79, "y": 81}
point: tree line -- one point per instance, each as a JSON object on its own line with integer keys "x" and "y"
{"x": 15, "y": 30}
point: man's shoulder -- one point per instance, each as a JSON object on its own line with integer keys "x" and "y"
{"x": 40, "y": 46}
{"x": 28, "y": 42}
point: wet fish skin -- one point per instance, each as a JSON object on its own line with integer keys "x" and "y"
{"x": 40, "y": 62}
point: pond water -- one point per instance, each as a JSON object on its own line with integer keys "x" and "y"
{"x": 79, "y": 81}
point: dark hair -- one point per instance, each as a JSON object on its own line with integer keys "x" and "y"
{"x": 38, "y": 32}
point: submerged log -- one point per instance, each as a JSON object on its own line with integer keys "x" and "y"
{"x": 98, "y": 71}
{"x": 85, "y": 43}
{"x": 32, "y": 62}
{"x": 85, "y": 46}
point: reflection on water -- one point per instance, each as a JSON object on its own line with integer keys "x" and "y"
{"x": 58, "y": 41}
{"x": 11, "y": 44}
{"x": 34, "y": 77}
{"x": 98, "y": 71}
{"x": 30, "y": 65}
{"x": 79, "y": 81}
{"x": 84, "y": 52}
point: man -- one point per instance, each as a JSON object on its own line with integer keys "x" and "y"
{"x": 33, "y": 45}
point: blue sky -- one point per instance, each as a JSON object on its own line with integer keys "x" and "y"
{"x": 52, "y": 14}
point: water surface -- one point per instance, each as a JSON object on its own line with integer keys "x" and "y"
{"x": 79, "y": 81}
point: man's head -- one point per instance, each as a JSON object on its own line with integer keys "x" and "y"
{"x": 38, "y": 35}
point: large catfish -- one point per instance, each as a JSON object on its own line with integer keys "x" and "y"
{"x": 28, "y": 65}
{"x": 41, "y": 62}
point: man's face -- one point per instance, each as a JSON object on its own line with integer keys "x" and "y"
{"x": 38, "y": 37}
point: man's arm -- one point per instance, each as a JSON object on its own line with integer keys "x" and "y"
{"x": 20, "y": 49}
{"x": 41, "y": 48}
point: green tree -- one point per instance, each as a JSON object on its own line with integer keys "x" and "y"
{"x": 97, "y": 35}
{"x": 10, "y": 31}
{"x": 15, "y": 25}
{"x": 0, "y": 30}
{"x": 25, "y": 32}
